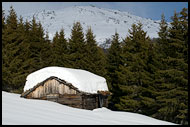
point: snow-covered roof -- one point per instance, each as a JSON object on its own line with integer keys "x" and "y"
{"x": 83, "y": 80}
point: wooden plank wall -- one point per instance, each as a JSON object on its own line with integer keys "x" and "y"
{"x": 51, "y": 87}
{"x": 105, "y": 101}
{"x": 52, "y": 90}
{"x": 90, "y": 102}
{"x": 73, "y": 100}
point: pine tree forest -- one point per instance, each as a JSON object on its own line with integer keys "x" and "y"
{"x": 144, "y": 75}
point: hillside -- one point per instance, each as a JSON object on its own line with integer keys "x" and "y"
{"x": 104, "y": 22}
{"x": 16, "y": 110}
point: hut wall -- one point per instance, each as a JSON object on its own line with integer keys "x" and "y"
{"x": 73, "y": 100}
{"x": 90, "y": 101}
{"x": 51, "y": 87}
{"x": 53, "y": 90}
{"x": 105, "y": 101}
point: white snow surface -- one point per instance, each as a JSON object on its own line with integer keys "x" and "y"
{"x": 84, "y": 80}
{"x": 104, "y": 22}
{"x": 21, "y": 111}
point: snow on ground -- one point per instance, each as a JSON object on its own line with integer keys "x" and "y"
{"x": 21, "y": 111}
{"x": 83, "y": 80}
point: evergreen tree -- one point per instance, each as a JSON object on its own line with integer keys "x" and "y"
{"x": 161, "y": 50}
{"x": 163, "y": 36}
{"x": 46, "y": 53}
{"x": 94, "y": 56}
{"x": 24, "y": 50}
{"x": 4, "y": 56}
{"x": 184, "y": 24}
{"x": 113, "y": 63}
{"x": 134, "y": 76}
{"x": 36, "y": 42}
{"x": 44, "y": 47}
{"x": 28, "y": 61}
{"x": 10, "y": 49}
{"x": 34, "y": 50}
{"x": 149, "y": 91}
{"x": 12, "y": 21}
{"x": 3, "y": 20}
{"x": 59, "y": 50}
{"x": 13, "y": 53}
{"x": 77, "y": 47}
{"x": 172, "y": 95}
{"x": 18, "y": 73}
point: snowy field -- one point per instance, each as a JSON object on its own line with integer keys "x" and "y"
{"x": 20, "y": 111}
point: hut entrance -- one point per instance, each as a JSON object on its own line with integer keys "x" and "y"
{"x": 100, "y": 100}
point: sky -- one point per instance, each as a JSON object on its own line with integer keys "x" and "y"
{"x": 152, "y": 10}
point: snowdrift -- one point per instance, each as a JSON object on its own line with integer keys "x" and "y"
{"x": 20, "y": 111}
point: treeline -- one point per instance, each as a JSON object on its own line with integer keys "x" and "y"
{"x": 26, "y": 48}
{"x": 151, "y": 77}
{"x": 145, "y": 76}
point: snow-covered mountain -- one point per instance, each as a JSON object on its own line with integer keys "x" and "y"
{"x": 21, "y": 111}
{"x": 104, "y": 22}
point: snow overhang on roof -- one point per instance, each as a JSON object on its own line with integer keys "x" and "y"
{"x": 83, "y": 80}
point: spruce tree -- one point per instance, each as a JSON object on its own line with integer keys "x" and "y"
{"x": 149, "y": 91}
{"x": 3, "y": 20}
{"x": 14, "y": 40}
{"x": 60, "y": 50}
{"x": 36, "y": 41}
{"x": 172, "y": 95}
{"x": 134, "y": 77}
{"x": 19, "y": 73}
{"x": 44, "y": 47}
{"x": 10, "y": 49}
{"x": 35, "y": 49}
{"x": 77, "y": 47}
{"x": 113, "y": 63}
{"x": 161, "y": 51}
{"x": 24, "y": 50}
{"x": 163, "y": 36}
{"x": 46, "y": 53}
{"x": 94, "y": 56}
{"x": 4, "y": 56}
{"x": 184, "y": 24}
{"x": 28, "y": 61}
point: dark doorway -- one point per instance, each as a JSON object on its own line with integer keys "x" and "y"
{"x": 100, "y": 101}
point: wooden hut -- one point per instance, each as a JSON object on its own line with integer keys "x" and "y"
{"x": 60, "y": 91}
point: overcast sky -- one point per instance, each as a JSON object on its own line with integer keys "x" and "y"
{"x": 151, "y": 10}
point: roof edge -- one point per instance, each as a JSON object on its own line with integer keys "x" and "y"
{"x": 24, "y": 94}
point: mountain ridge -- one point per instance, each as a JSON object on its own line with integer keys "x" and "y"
{"x": 104, "y": 22}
